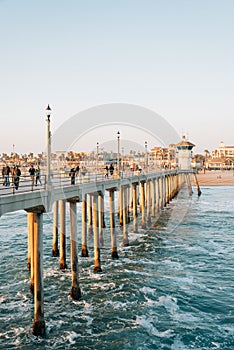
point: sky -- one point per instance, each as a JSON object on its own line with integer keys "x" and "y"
{"x": 173, "y": 57}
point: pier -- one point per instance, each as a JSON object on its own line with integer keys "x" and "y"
{"x": 141, "y": 198}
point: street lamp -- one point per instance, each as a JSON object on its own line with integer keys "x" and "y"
{"x": 48, "y": 141}
{"x": 97, "y": 156}
{"x": 146, "y": 156}
{"x": 118, "y": 157}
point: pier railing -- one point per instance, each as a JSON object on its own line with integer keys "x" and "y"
{"x": 27, "y": 183}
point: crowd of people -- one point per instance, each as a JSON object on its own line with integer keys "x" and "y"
{"x": 12, "y": 175}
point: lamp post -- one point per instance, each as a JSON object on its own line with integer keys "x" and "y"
{"x": 48, "y": 141}
{"x": 122, "y": 156}
{"x": 97, "y": 157}
{"x": 118, "y": 156}
{"x": 146, "y": 156}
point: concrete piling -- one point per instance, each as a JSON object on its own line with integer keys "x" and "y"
{"x": 134, "y": 204}
{"x": 97, "y": 259}
{"x": 142, "y": 204}
{"x": 39, "y": 323}
{"x": 90, "y": 215}
{"x": 55, "y": 250}
{"x": 125, "y": 217}
{"x": 148, "y": 208}
{"x": 114, "y": 253}
{"x": 101, "y": 218}
{"x": 197, "y": 185}
{"x": 62, "y": 209}
{"x": 84, "y": 248}
{"x": 30, "y": 237}
{"x": 75, "y": 289}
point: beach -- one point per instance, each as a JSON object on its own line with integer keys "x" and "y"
{"x": 215, "y": 178}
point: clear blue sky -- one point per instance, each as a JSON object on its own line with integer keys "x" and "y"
{"x": 175, "y": 57}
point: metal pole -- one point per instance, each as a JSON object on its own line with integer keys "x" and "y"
{"x": 48, "y": 139}
{"x": 146, "y": 156}
{"x": 97, "y": 157}
{"x": 118, "y": 158}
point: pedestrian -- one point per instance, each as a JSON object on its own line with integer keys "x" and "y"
{"x": 8, "y": 171}
{"x": 38, "y": 175}
{"x": 17, "y": 173}
{"x": 77, "y": 170}
{"x": 111, "y": 169}
{"x": 107, "y": 171}
{"x": 32, "y": 173}
{"x": 4, "y": 176}
{"x": 73, "y": 175}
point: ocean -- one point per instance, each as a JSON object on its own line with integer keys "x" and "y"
{"x": 172, "y": 288}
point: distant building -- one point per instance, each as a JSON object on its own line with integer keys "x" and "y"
{"x": 223, "y": 151}
{"x": 222, "y": 158}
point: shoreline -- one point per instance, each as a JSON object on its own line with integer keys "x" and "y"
{"x": 215, "y": 178}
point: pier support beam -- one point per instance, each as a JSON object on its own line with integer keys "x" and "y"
{"x": 84, "y": 248}
{"x": 190, "y": 190}
{"x": 197, "y": 185}
{"x": 114, "y": 253}
{"x": 142, "y": 204}
{"x": 157, "y": 195}
{"x": 55, "y": 250}
{"x": 125, "y": 217}
{"x": 39, "y": 323}
{"x": 153, "y": 209}
{"x": 101, "y": 217}
{"x": 134, "y": 200}
{"x": 120, "y": 202}
{"x": 62, "y": 209}
{"x": 148, "y": 195}
{"x": 30, "y": 238}
{"x": 90, "y": 216}
{"x": 75, "y": 289}
{"x": 97, "y": 260}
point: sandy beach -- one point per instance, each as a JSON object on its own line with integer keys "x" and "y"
{"x": 216, "y": 178}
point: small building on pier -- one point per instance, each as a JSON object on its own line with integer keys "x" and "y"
{"x": 184, "y": 154}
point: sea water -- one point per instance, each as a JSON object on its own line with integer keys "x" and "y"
{"x": 172, "y": 288}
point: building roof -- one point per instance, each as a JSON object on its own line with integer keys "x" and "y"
{"x": 185, "y": 143}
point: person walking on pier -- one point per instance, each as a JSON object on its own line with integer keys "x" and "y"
{"x": 107, "y": 171}
{"x": 5, "y": 174}
{"x": 111, "y": 169}
{"x": 32, "y": 174}
{"x": 17, "y": 173}
{"x": 73, "y": 175}
{"x": 38, "y": 175}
